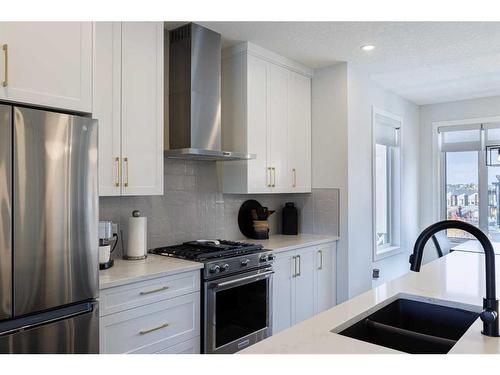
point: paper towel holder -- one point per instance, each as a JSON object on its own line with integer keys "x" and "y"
{"x": 134, "y": 236}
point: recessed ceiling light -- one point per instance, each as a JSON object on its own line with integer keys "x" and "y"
{"x": 368, "y": 47}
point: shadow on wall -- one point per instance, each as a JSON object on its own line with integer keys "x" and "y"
{"x": 193, "y": 207}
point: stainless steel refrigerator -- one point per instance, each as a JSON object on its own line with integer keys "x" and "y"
{"x": 48, "y": 232}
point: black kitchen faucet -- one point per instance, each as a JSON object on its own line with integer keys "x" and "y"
{"x": 489, "y": 316}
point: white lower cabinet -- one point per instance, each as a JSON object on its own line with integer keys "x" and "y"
{"x": 166, "y": 321}
{"x": 187, "y": 347}
{"x": 303, "y": 284}
{"x": 325, "y": 277}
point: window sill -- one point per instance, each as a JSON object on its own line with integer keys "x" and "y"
{"x": 385, "y": 252}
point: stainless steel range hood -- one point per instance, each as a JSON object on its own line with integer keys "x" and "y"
{"x": 195, "y": 96}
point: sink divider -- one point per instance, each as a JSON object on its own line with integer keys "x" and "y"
{"x": 410, "y": 334}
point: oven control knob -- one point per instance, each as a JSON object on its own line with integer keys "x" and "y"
{"x": 263, "y": 258}
{"x": 214, "y": 269}
{"x": 245, "y": 262}
{"x": 271, "y": 257}
{"x": 224, "y": 267}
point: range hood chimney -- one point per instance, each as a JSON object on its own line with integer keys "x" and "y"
{"x": 195, "y": 96}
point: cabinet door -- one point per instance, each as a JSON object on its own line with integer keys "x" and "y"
{"x": 259, "y": 176}
{"x": 299, "y": 132}
{"x": 278, "y": 128}
{"x": 305, "y": 285}
{"x": 325, "y": 277}
{"x": 283, "y": 292}
{"x": 142, "y": 108}
{"x": 107, "y": 105}
{"x": 48, "y": 64}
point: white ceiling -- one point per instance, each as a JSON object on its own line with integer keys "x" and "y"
{"x": 425, "y": 62}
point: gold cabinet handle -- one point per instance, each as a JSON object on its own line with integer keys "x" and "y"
{"x": 270, "y": 184}
{"x": 146, "y": 331}
{"x": 274, "y": 177}
{"x": 294, "y": 171}
{"x": 6, "y": 66}
{"x": 118, "y": 171}
{"x": 154, "y": 291}
{"x": 320, "y": 252}
{"x": 125, "y": 160}
{"x": 300, "y": 266}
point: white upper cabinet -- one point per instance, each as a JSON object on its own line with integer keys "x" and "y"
{"x": 128, "y": 102}
{"x": 266, "y": 110}
{"x": 278, "y": 128}
{"x": 47, "y": 64}
{"x": 107, "y": 104}
{"x": 299, "y": 132}
{"x": 142, "y": 107}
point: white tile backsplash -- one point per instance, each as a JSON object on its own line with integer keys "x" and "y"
{"x": 193, "y": 207}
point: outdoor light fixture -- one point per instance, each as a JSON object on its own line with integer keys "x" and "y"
{"x": 493, "y": 156}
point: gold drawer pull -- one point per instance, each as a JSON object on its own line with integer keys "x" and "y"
{"x": 6, "y": 66}
{"x": 146, "y": 331}
{"x": 126, "y": 171}
{"x": 154, "y": 290}
{"x": 118, "y": 172}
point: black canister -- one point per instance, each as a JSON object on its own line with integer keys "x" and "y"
{"x": 290, "y": 223}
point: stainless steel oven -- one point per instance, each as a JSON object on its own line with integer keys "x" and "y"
{"x": 237, "y": 310}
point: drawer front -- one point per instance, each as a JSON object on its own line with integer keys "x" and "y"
{"x": 133, "y": 295}
{"x": 188, "y": 347}
{"x": 151, "y": 328}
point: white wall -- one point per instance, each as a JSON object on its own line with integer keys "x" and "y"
{"x": 363, "y": 93}
{"x": 459, "y": 110}
{"x": 329, "y": 151}
{"x": 342, "y": 100}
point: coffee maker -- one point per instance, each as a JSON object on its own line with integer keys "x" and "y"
{"x": 107, "y": 235}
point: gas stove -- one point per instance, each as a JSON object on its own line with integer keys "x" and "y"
{"x": 236, "y": 291}
{"x": 220, "y": 256}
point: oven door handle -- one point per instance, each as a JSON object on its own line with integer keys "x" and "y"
{"x": 231, "y": 282}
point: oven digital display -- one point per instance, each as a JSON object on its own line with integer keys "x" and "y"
{"x": 240, "y": 311}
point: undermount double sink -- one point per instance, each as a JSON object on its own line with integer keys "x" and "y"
{"x": 413, "y": 326}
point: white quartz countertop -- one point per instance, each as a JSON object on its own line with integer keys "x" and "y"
{"x": 473, "y": 246}
{"x": 457, "y": 278}
{"x": 129, "y": 271}
{"x": 280, "y": 242}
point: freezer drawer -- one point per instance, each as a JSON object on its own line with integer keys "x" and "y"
{"x": 56, "y": 210}
{"x": 5, "y": 212}
{"x": 76, "y": 334}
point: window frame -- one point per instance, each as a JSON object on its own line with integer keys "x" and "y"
{"x": 439, "y": 170}
{"x": 394, "y": 208}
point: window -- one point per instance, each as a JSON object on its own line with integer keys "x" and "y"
{"x": 386, "y": 183}
{"x": 470, "y": 190}
{"x": 462, "y": 189}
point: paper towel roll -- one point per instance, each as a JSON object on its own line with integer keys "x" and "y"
{"x": 137, "y": 238}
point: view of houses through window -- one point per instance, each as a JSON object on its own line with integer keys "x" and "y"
{"x": 462, "y": 181}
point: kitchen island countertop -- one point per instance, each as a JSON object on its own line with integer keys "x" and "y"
{"x": 457, "y": 278}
